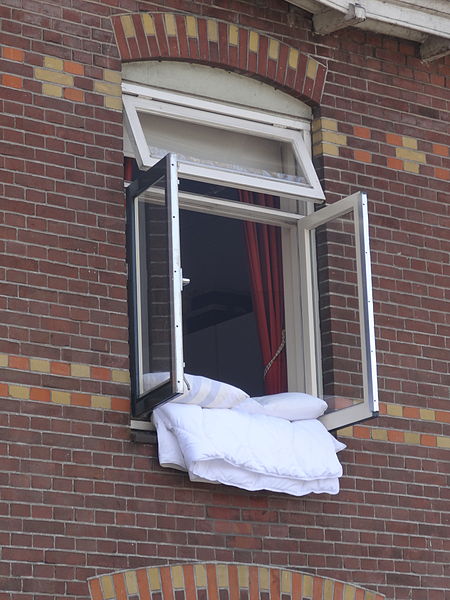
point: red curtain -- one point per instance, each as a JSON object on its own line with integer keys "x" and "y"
{"x": 128, "y": 168}
{"x": 264, "y": 251}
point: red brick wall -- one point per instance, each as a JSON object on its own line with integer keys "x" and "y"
{"x": 78, "y": 496}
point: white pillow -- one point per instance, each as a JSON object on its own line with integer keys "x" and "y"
{"x": 153, "y": 380}
{"x": 293, "y": 406}
{"x": 209, "y": 393}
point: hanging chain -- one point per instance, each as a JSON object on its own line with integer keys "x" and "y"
{"x": 277, "y": 353}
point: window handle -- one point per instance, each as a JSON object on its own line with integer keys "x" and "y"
{"x": 185, "y": 281}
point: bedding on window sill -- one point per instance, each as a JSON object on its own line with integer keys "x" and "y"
{"x": 249, "y": 451}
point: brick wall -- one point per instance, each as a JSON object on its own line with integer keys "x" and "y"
{"x": 78, "y": 496}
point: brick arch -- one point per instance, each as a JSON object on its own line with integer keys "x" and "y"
{"x": 172, "y": 36}
{"x": 227, "y": 581}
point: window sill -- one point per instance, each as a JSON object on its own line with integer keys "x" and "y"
{"x": 143, "y": 432}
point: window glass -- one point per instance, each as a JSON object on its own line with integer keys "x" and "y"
{"x": 200, "y": 144}
{"x": 341, "y": 359}
{"x": 154, "y": 296}
{"x": 216, "y": 143}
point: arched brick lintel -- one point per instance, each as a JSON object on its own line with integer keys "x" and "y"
{"x": 173, "y": 36}
{"x": 222, "y": 580}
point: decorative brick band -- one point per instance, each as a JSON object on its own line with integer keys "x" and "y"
{"x": 67, "y": 80}
{"x": 397, "y": 152}
{"x": 146, "y": 36}
{"x": 414, "y": 412}
{"x": 41, "y": 394}
{"x": 397, "y": 436}
{"x": 83, "y": 372}
{"x": 58, "y": 370}
{"x": 224, "y": 581}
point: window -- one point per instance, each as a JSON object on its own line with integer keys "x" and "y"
{"x": 226, "y": 192}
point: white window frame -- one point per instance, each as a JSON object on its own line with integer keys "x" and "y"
{"x": 358, "y": 205}
{"x": 303, "y": 336}
{"x": 172, "y": 105}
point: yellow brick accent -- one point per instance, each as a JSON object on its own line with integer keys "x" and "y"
{"x": 394, "y": 410}
{"x": 131, "y": 582}
{"x": 264, "y": 583}
{"x": 346, "y": 431}
{"x": 409, "y": 142}
{"x": 427, "y": 414}
{"x": 200, "y": 575}
{"x": 307, "y": 585}
{"x": 108, "y": 587}
{"x": 191, "y": 26}
{"x": 113, "y": 103}
{"x": 171, "y": 26}
{"x": 52, "y": 90}
{"x": 293, "y": 58}
{"x": 253, "y": 42}
{"x": 316, "y": 125}
{"x": 311, "y": 68}
{"x": 411, "y": 437}
{"x": 54, "y": 77}
{"x": 233, "y": 35}
{"x": 112, "y": 76}
{"x": 153, "y": 577}
{"x": 120, "y": 376}
{"x": 177, "y": 577}
{"x": 334, "y": 138}
{"x": 213, "y": 31}
{"x": 443, "y": 442}
{"x": 3, "y": 360}
{"x": 60, "y": 397}
{"x": 101, "y": 402}
{"x": 243, "y": 576}
{"x": 329, "y": 124}
{"x": 411, "y": 167}
{"x": 80, "y": 370}
{"x": 148, "y": 24}
{"x": 286, "y": 583}
{"x": 128, "y": 26}
{"x": 379, "y": 434}
{"x": 408, "y": 154}
{"x": 317, "y": 137}
{"x": 104, "y": 87}
{"x": 50, "y": 62}
{"x": 19, "y": 391}
{"x": 274, "y": 49}
{"x": 222, "y": 576}
{"x": 349, "y": 592}
{"x": 42, "y": 366}
{"x": 328, "y": 589}
{"x": 329, "y": 149}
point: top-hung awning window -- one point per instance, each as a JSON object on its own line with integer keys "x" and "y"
{"x": 218, "y": 143}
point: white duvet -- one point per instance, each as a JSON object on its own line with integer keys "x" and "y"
{"x": 248, "y": 451}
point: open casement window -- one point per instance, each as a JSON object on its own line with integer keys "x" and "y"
{"x": 338, "y": 310}
{"x": 155, "y": 288}
{"x": 243, "y": 174}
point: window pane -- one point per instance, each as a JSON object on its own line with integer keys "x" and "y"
{"x": 154, "y": 296}
{"x": 154, "y": 288}
{"x": 341, "y": 357}
{"x": 225, "y": 149}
